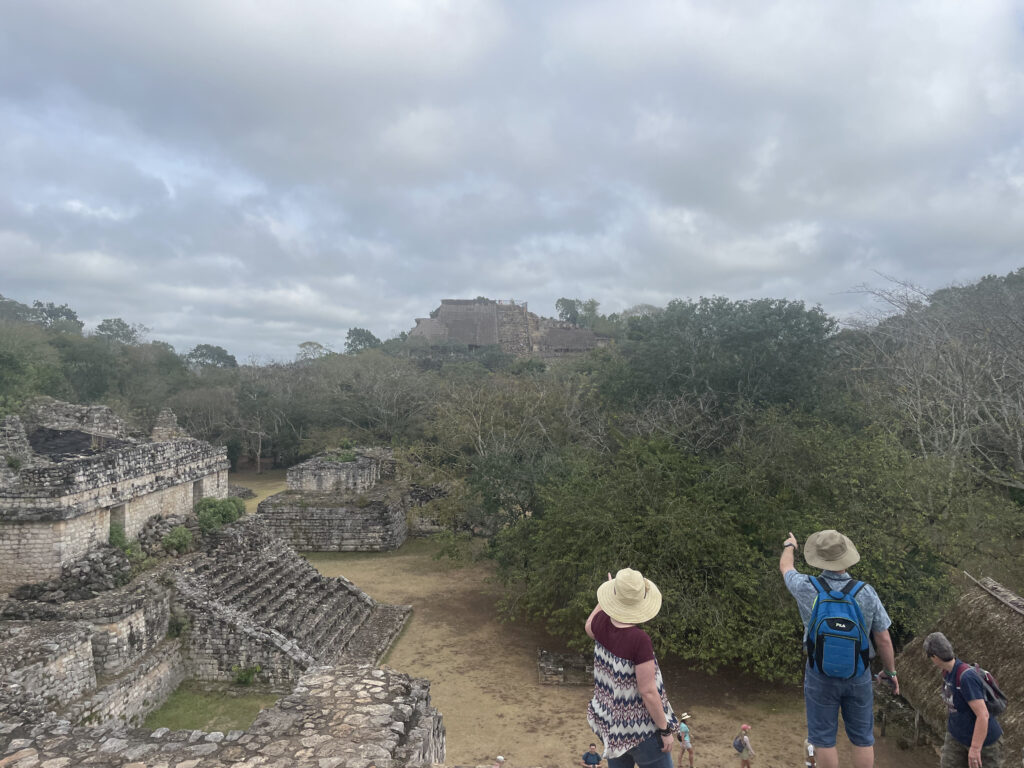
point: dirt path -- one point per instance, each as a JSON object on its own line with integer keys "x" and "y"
{"x": 484, "y": 677}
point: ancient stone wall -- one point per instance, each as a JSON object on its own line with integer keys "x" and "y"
{"x": 345, "y": 717}
{"x": 36, "y": 551}
{"x": 97, "y": 420}
{"x": 53, "y": 515}
{"x": 128, "y": 698}
{"x": 324, "y": 522}
{"x": 124, "y": 624}
{"x": 513, "y": 328}
{"x": 328, "y": 473}
{"x": 51, "y": 662}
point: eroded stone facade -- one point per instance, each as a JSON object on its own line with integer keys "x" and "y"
{"x": 353, "y": 716}
{"x": 341, "y": 502}
{"x": 507, "y": 324}
{"x": 70, "y": 472}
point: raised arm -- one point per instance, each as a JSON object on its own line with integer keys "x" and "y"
{"x": 789, "y": 547}
{"x": 590, "y": 620}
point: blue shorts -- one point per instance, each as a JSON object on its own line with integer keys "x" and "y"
{"x": 825, "y": 696}
{"x": 646, "y": 754}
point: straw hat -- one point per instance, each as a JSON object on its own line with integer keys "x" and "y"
{"x": 830, "y": 550}
{"x": 629, "y": 598}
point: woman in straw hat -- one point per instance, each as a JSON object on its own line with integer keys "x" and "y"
{"x": 629, "y": 710}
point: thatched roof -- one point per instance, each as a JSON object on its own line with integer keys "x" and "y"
{"x": 986, "y": 626}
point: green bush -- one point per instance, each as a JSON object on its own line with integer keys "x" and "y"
{"x": 245, "y": 675}
{"x": 177, "y": 625}
{"x": 215, "y": 513}
{"x": 178, "y": 540}
{"x": 117, "y": 537}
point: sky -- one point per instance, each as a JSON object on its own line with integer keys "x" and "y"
{"x": 260, "y": 173}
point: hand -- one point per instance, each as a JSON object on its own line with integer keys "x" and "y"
{"x": 974, "y": 757}
{"x": 791, "y": 540}
{"x": 666, "y": 742}
{"x": 893, "y": 682}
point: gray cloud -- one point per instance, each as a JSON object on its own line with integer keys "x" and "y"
{"x": 258, "y": 175}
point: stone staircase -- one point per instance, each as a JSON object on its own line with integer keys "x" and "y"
{"x": 250, "y": 574}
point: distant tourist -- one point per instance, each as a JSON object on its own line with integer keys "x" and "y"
{"x": 591, "y": 756}
{"x": 973, "y": 737}
{"x": 499, "y": 762}
{"x": 742, "y": 744}
{"x": 838, "y": 672}
{"x": 629, "y": 711}
{"x": 684, "y": 736}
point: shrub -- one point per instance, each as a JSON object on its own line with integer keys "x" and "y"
{"x": 362, "y": 501}
{"x": 117, "y": 537}
{"x": 13, "y": 462}
{"x": 215, "y": 513}
{"x": 177, "y": 625}
{"x": 245, "y": 675}
{"x": 178, "y": 540}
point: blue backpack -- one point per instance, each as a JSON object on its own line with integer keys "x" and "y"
{"x": 837, "y": 641}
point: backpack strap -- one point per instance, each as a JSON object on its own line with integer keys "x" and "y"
{"x": 961, "y": 668}
{"x": 852, "y": 587}
{"x": 817, "y": 585}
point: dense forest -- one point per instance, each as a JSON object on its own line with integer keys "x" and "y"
{"x": 686, "y": 448}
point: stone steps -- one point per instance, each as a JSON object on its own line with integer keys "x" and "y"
{"x": 376, "y": 635}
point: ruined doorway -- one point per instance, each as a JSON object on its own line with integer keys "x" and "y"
{"x": 197, "y": 492}
{"x": 117, "y": 516}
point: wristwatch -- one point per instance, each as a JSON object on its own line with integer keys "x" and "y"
{"x": 665, "y": 731}
{"x": 789, "y": 544}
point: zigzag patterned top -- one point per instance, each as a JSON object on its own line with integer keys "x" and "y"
{"x": 617, "y": 713}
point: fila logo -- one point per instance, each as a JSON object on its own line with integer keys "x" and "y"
{"x": 841, "y": 625}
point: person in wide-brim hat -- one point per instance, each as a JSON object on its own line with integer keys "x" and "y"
{"x": 830, "y": 550}
{"x": 629, "y": 598}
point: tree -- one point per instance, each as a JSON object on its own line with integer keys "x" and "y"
{"x": 61, "y": 319}
{"x": 568, "y": 310}
{"x": 116, "y": 329}
{"x": 358, "y": 339}
{"x": 311, "y": 350}
{"x": 210, "y": 356}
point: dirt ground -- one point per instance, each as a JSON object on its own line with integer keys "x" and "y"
{"x": 484, "y": 677}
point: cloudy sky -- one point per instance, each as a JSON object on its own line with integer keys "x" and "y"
{"x": 259, "y": 173}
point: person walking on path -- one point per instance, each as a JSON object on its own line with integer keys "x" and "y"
{"x": 591, "y": 757}
{"x": 748, "y": 751}
{"x": 824, "y": 694}
{"x": 629, "y": 710}
{"x": 683, "y": 734}
{"x": 973, "y": 737}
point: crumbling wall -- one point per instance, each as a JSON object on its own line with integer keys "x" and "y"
{"x": 50, "y": 663}
{"x": 54, "y": 514}
{"x": 37, "y": 550}
{"x": 345, "y": 716}
{"x": 328, "y": 473}
{"x": 143, "y": 688}
{"x": 324, "y": 522}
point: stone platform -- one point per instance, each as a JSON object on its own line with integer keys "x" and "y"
{"x": 343, "y": 717}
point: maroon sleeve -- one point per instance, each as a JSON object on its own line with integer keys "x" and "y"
{"x": 643, "y": 648}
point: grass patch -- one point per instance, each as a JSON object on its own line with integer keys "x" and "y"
{"x": 190, "y": 708}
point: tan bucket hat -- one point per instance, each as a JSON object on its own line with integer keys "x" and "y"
{"x": 629, "y": 598}
{"x": 830, "y": 550}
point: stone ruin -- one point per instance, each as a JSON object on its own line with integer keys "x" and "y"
{"x": 342, "y": 501}
{"x": 564, "y": 668}
{"x": 68, "y": 473}
{"x": 80, "y": 668}
{"x": 508, "y": 324}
